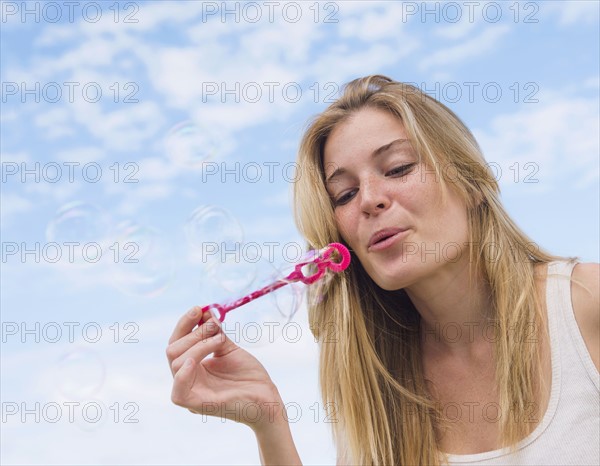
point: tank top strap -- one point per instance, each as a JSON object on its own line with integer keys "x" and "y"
{"x": 560, "y": 309}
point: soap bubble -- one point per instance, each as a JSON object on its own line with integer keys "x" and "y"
{"x": 190, "y": 145}
{"x": 233, "y": 275}
{"x": 80, "y": 373}
{"x": 315, "y": 290}
{"x": 81, "y": 223}
{"x": 145, "y": 264}
{"x": 262, "y": 320}
{"x": 212, "y": 231}
{"x": 78, "y": 221}
{"x": 288, "y": 298}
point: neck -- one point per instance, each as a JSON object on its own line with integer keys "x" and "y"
{"x": 454, "y": 308}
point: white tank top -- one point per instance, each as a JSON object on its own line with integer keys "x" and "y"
{"x": 569, "y": 433}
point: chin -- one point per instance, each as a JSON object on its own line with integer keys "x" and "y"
{"x": 390, "y": 276}
{"x": 390, "y": 287}
{"x": 389, "y": 283}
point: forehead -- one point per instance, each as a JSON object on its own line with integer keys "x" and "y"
{"x": 363, "y": 132}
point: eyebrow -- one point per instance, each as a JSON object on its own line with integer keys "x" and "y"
{"x": 381, "y": 150}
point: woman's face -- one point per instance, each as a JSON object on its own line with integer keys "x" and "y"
{"x": 388, "y": 206}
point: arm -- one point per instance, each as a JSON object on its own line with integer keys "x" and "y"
{"x": 585, "y": 294}
{"x": 275, "y": 443}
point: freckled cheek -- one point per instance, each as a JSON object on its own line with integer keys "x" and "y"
{"x": 414, "y": 201}
{"x": 347, "y": 225}
{"x": 420, "y": 197}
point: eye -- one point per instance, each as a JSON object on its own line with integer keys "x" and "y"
{"x": 402, "y": 170}
{"x": 344, "y": 198}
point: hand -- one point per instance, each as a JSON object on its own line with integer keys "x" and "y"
{"x": 232, "y": 384}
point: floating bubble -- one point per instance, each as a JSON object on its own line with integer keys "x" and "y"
{"x": 191, "y": 145}
{"x": 288, "y": 298}
{"x": 80, "y": 373}
{"x": 84, "y": 226}
{"x": 316, "y": 291}
{"x": 144, "y": 265}
{"x": 78, "y": 221}
{"x": 233, "y": 275}
{"x": 262, "y": 320}
{"x": 212, "y": 231}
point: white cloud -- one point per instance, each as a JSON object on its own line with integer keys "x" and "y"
{"x": 82, "y": 155}
{"x": 468, "y": 49}
{"x": 347, "y": 9}
{"x": 281, "y": 199}
{"x": 7, "y": 116}
{"x": 55, "y": 35}
{"x": 343, "y": 64}
{"x": 125, "y": 129}
{"x": 281, "y": 42}
{"x": 152, "y": 15}
{"x": 383, "y": 23}
{"x": 559, "y": 139}
{"x": 156, "y": 169}
{"x": 458, "y": 30}
{"x": 267, "y": 53}
{"x": 15, "y": 157}
{"x": 592, "y": 83}
{"x": 13, "y": 205}
{"x": 136, "y": 197}
{"x": 132, "y": 18}
{"x": 273, "y": 227}
{"x": 55, "y": 123}
{"x": 177, "y": 73}
{"x": 573, "y": 12}
{"x": 98, "y": 51}
{"x": 57, "y": 193}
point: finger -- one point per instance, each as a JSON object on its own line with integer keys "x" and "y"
{"x": 226, "y": 346}
{"x": 186, "y": 323}
{"x": 200, "y": 350}
{"x": 183, "y": 381}
{"x": 177, "y": 348}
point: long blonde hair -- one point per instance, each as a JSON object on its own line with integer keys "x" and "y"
{"x": 371, "y": 372}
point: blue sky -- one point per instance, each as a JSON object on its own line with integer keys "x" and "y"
{"x": 166, "y": 132}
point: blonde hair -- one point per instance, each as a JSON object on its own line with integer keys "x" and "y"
{"x": 371, "y": 373}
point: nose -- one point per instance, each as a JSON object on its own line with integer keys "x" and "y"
{"x": 374, "y": 198}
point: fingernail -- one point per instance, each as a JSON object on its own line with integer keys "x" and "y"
{"x": 194, "y": 312}
{"x": 211, "y": 326}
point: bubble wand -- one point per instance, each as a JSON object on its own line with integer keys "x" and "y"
{"x": 322, "y": 260}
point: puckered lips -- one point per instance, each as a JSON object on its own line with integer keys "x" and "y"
{"x": 384, "y": 238}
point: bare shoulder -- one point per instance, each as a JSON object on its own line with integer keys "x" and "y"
{"x": 585, "y": 295}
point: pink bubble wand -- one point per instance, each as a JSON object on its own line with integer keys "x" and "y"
{"x": 322, "y": 260}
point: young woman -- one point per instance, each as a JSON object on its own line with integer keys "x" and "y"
{"x": 457, "y": 339}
